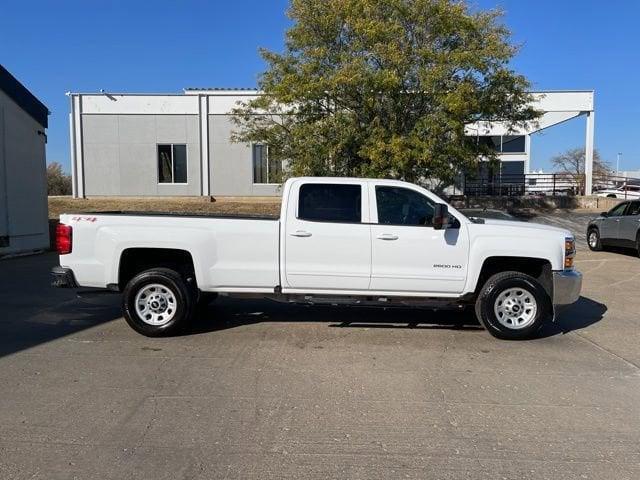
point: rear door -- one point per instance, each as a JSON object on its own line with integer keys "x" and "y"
{"x": 610, "y": 225}
{"x": 408, "y": 254}
{"x": 327, "y": 242}
{"x": 629, "y": 223}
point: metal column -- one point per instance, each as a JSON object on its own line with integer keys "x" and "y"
{"x": 588, "y": 157}
{"x": 204, "y": 144}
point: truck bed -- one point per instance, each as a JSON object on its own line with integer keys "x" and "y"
{"x": 229, "y": 252}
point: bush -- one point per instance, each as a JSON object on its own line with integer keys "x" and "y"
{"x": 58, "y": 182}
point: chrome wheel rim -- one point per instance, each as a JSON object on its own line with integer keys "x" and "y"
{"x": 155, "y": 304}
{"x": 515, "y": 308}
{"x": 593, "y": 239}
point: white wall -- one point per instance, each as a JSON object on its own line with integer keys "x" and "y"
{"x": 23, "y": 183}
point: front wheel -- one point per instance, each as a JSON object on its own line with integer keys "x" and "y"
{"x": 513, "y": 306}
{"x": 158, "y": 302}
{"x": 593, "y": 240}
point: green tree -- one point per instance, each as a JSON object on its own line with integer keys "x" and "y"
{"x": 58, "y": 182}
{"x": 384, "y": 88}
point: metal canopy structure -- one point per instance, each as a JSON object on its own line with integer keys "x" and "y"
{"x": 556, "y": 107}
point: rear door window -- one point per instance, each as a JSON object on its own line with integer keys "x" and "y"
{"x": 327, "y": 202}
{"x": 634, "y": 209}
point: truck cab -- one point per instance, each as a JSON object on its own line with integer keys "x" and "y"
{"x": 360, "y": 236}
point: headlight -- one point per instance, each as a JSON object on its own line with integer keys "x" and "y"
{"x": 569, "y": 251}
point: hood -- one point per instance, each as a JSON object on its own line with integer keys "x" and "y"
{"x": 527, "y": 225}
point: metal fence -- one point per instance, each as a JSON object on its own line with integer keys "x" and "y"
{"x": 548, "y": 184}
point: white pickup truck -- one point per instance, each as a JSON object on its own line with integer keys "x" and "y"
{"x": 338, "y": 240}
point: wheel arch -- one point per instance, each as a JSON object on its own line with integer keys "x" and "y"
{"x": 538, "y": 268}
{"x": 134, "y": 260}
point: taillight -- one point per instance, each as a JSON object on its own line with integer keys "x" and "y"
{"x": 64, "y": 240}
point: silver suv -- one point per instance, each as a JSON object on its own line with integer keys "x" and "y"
{"x": 618, "y": 227}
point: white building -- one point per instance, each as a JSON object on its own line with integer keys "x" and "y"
{"x": 179, "y": 144}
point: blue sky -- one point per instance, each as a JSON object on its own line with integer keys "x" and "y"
{"x": 164, "y": 46}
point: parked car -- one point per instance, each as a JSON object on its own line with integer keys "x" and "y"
{"x": 625, "y": 192}
{"x": 619, "y": 227}
{"x": 472, "y": 213}
{"x": 349, "y": 241}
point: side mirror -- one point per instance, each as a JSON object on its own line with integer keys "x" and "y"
{"x": 604, "y": 214}
{"x": 440, "y": 216}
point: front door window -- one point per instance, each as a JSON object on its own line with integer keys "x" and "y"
{"x": 401, "y": 206}
{"x": 618, "y": 210}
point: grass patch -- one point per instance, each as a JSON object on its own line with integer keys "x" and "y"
{"x": 177, "y": 205}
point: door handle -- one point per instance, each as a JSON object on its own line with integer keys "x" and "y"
{"x": 300, "y": 233}
{"x": 387, "y": 236}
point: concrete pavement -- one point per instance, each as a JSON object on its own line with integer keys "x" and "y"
{"x": 261, "y": 390}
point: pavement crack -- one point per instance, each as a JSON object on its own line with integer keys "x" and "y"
{"x": 154, "y": 412}
{"x": 620, "y": 282}
{"x": 613, "y": 354}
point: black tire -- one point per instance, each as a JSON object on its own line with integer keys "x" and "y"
{"x": 182, "y": 297}
{"x": 611, "y": 195}
{"x": 638, "y": 243}
{"x": 502, "y": 282}
{"x": 597, "y": 246}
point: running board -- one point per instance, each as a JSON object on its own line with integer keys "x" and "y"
{"x": 363, "y": 300}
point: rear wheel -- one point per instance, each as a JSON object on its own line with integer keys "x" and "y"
{"x": 513, "y": 305}
{"x": 593, "y": 240}
{"x": 158, "y": 302}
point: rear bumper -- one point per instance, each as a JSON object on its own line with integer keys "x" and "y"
{"x": 566, "y": 287}
{"x": 63, "y": 278}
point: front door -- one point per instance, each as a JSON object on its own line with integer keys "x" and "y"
{"x": 408, "y": 254}
{"x": 327, "y": 245}
{"x": 611, "y": 223}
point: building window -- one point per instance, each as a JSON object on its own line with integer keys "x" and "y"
{"x": 265, "y": 170}
{"x": 172, "y": 163}
{"x": 513, "y": 144}
{"x": 325, "y": 202}
{"x": 493, "y": 142}
{"x": 505, "y": 143}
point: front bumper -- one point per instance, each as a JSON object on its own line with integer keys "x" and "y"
{"x": 63, "y": 278}
{"x": 566, "y": 287}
